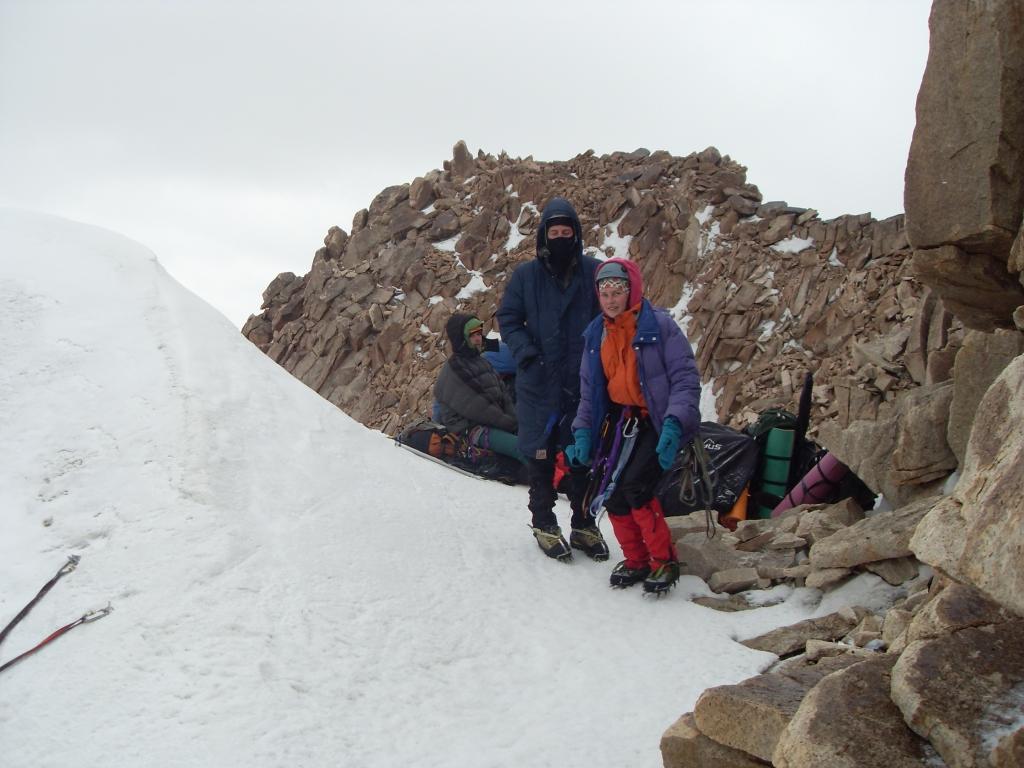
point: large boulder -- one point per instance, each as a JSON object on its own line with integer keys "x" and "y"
{"x": 966, "y": 160}
{"x": 849, "y": 721}
{"x": 963, "y": 692}
{"x": 902, "y": 452}
{"x": 980, "y": 360}
{"x": 957, "y": 606}
{"x": 977, "y": 535}
{"x": 922, "y": 453}
{"x": 749, "y": 716}
{"x": 977, "y": 288}
{"x": 880, "y": 537}
{"x": 965, "y": 163}
{"x": 462, "y": 163}
{"x": 684, "y": 746}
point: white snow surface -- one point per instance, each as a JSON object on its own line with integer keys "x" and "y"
{"x": 289, "y": 588}
{"x": 619, "y": 244}
{"x": 793, "y": 244}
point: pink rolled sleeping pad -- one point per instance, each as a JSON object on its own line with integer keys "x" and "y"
{"x": 814, "y": 487}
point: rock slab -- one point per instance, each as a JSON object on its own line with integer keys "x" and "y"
{"x": 849, "y": 721}
{"x": 964, "y": 692}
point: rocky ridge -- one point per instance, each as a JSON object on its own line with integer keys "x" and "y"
{"x": 767, "y": 291}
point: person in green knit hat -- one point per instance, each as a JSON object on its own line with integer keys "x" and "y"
{"x": 472, "y": 399}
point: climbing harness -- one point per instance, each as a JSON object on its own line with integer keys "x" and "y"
{"x": 694, "y": 473}
{"x": 626, "y": 431}
{"x": 85, "y": 618}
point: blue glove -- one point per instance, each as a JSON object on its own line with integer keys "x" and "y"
{"x": 578, "y": 454}
{"x": 668, "y": 443}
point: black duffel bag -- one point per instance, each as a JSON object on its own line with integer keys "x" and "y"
{"x": 732, "y": 461}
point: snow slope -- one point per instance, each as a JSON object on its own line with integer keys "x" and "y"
{"x": 288, "y": 587}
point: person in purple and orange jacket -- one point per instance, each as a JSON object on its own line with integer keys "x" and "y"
{"x": 638, "y": 378}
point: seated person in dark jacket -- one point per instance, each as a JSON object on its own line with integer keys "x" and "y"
{"x": 470, "y": 396}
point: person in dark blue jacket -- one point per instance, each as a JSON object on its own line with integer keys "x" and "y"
{"x": 546, "y": 307}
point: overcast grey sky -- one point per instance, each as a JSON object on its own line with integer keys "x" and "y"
{"x": 228, "y": 136}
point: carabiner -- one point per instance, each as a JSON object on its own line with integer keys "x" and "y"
{"x": 99, "y": 613}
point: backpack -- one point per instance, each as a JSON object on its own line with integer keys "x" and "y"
{"x": 434, "y": 440}
{"x": 430, "y": 438}
{"x": 804, "y": 457}
{"x": 767, "y": 487}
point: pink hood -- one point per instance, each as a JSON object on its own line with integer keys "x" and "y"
{"x": 636, "y": 281}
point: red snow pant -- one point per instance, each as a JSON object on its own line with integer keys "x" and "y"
{"x": 635, "y": 513}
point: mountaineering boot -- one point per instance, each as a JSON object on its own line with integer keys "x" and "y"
{"x": 662, "y": 579}
{"x": 551, "y": 543}
{"x": 624, "y": 575}
{"x": 590, "y": 542}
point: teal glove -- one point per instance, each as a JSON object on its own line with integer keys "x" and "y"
{"x": 578, "y": 454}
{"x": 668, "y": 443}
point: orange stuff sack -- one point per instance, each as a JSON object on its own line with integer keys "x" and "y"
{"x": 738, "y": 512}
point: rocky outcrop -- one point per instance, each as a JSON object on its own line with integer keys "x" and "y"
{"x": 977, "y": 534}
{"x": 935, "y": 679}
{"x": 684, "y": 744}
{"x": 749, "y": 717}
{"x": 964, "y": 196}
{"x": 938, "y": 678}
{"x": 849, "y": 721}
{"x": 879, "y": 537}
{"x": 768, "y": 291}
{"x": 983, "y": 357}
{"x": 964, "y": 692}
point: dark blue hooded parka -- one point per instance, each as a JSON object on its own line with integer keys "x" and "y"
{"x": 542, "y": 318}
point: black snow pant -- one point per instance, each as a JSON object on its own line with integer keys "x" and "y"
{"x": 541, "y": 473}
{"x": 640, "y": 477}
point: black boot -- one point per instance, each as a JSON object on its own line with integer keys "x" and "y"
{"x": 623, "y": 576}
{"x": 663, "y": 579}
{"x": 552, "y": 544}
{"x": 590, "y": 542}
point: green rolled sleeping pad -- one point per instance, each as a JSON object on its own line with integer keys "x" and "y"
{"x": 778, "y": 453}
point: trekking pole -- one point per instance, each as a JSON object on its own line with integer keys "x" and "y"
{"x": 65, "y": 569}
{"x": 83, "y": 619}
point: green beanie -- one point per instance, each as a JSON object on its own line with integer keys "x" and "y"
{"x": 471, "y": 325}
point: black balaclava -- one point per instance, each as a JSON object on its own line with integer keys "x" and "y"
{"x": 561, "y": 250}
